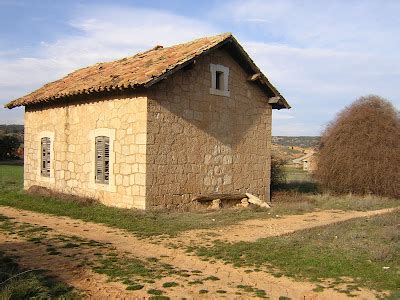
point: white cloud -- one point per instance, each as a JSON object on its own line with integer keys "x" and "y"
{"x": 324, "y": 72}
{"x": 324, "y": 55}
{"x": 105, "y": 33}
{"x": 295, "y": 129}
{"x": 319, "y": 82}
{"x": 334, "y": 24}
{"x": 282, "y": 115}
{"x": 320, "y": 55}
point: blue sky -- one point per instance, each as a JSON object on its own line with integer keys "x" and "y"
{"x": 321, "y": 55}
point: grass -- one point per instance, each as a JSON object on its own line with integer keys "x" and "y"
{"x": 100, "y": 257}
{"x": 293, "y": 174}
{"x": 134, "y": 287}
{"x": 30, "y": 285}
{"x": 361, "y": 252}
{"x": 297, "y": 180}
{"x": 249, "y": 289}
{"x": 154, "y": 292}
{"x": 170, "y": 284}
{"x": 152, "y": 223}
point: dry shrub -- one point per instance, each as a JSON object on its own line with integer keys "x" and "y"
{"x": 45, "y": 192}
{"x": 360, "y": 150}
{"x": 278, "y": 176}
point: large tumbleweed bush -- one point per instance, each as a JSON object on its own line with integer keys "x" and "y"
{"x": 360, "y": 150}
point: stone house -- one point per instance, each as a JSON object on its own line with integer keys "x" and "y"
{"x": 155, "y": 129}
{"x": 308, "y": 162}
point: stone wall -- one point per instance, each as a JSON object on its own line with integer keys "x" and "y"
{"x": 175, "y": 143}
{"x": 72, "y": 159}
{"x": 198, "y": 143}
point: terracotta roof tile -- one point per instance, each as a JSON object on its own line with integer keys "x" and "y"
{"x": 130, "y": 72}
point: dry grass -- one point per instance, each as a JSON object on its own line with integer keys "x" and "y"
{"x": 45, "y": 192}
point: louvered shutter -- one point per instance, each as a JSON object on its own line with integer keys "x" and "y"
{"x": 102, "y": 159}
{"x": 106, "y": 159}
{"x": 45, "y": 159}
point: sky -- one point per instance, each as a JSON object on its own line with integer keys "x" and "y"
{"x": 321, "y": 55}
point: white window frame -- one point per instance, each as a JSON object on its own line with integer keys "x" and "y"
{"x": 225, "y": 73}
{"x": 50, "y": 135}
{"x": 110, "y": 187}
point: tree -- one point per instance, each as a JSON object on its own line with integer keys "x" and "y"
{"x": 8, "y": 145}
{"x": 360, "y": 149}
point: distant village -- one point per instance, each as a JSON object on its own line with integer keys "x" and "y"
{"x": 297, "y": 151}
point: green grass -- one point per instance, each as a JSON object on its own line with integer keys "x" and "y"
{"x": 212, "y": 278}
{"x": 152, "y": 223}
{"x": 298, "y": 180}
{"x": 155, "y": 292}
{"x": 30, "y": 285}
{"x": 249, "y": 289}
{"x": 134, "y": 287}
{"x": 293, "y": 174}
{"x": 169, "y": 284}
{"x": 100, "y": 257}
{"x": 360, "y": 249}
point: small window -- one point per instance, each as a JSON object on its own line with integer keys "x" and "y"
{"x": 45, "y": 157}
{"x": 219, "y": 80}
{"x": 102, "y": 159}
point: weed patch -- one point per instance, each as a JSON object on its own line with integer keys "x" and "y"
{"x": 19, "y": 285}
{"x": 345, "y": 252}
{"x": 169, "y": 284}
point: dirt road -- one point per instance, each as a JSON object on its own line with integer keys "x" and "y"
{"x": 229, "y": 284}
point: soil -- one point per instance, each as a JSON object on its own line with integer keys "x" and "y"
{"x": 252, "y": 230}
{"x": 97, "y": 286}
{"x": 32, "y": 256}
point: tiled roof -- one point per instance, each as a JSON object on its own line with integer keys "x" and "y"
{"x": 140, "y": 70}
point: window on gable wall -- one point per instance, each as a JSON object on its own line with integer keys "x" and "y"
{"x": 219, "y": 80}
{"x": 102, "y": 159}
{"x": 45, "y": 157}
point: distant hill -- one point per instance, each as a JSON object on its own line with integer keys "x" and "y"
{"x": 297, "y": 141}
{"x": 7, "y": 129}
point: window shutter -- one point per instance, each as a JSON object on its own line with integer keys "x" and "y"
{"x": 99, "y": 159}
{"x": 102, "y": 159}
{"x": 48, "y": 157}
{"x": 45, "y": 159}
{"x": 106, "y": 159}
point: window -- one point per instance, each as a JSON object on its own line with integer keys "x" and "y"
{"x": 102, "y": 177}
{"x": 219, "y": 80}
{"x": 102, "y": 174}
{"x": 45, "y": 157}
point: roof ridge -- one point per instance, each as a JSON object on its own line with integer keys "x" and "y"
{"x": 227, "y": 34}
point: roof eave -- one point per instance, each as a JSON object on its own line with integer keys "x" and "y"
{"x": 282, "y": 103}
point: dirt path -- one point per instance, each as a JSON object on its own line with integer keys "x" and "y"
{"x": 252, "y": 230}
{"x": 32, "y": 256}
{"x": 230, "y": 277}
